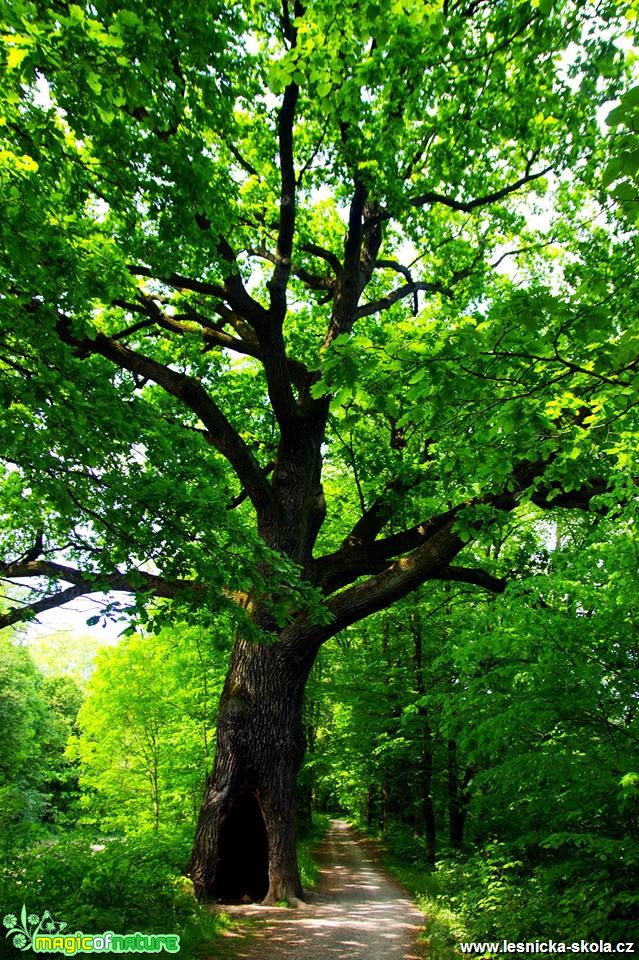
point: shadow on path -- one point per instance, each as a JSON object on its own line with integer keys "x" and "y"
{"x": 358, "y": 913}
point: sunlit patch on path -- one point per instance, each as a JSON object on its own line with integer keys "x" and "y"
{"x": 357, "y": 914}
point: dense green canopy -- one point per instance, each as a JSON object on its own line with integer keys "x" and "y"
{"x": 217, "y": 216}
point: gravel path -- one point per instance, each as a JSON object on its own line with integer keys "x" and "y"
{"x": 358, "y": 913}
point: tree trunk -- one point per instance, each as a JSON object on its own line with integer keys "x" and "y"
{"x": 372, "y": 806}
{"x": 426, "y": 765}
{"x": 428, "y": 808}
{"x": 245, "y": 844}
{"x": 458, "y": 797}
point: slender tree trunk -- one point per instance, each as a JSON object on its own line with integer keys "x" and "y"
{"x": 458, "y": 797}
{"x": 245, "y": 841}
{"x": 306, "y": 785}
{"x": 385, "y": 812}
{"x": 156, "y": 799}
{"x": 371, "y": 806}
{"x": 428, "y": 809}
{"x": 426, "y": 765}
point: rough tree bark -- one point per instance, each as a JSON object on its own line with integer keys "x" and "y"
{"x": 245, "y": 841}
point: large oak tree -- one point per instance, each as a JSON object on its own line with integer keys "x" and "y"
{"x": 295, "y": 300}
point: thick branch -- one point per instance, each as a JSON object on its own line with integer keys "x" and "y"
{"x": 246, "y": 344}
{"x": 549, "y": 498}
{"x": 189, "y": 391}
{"x": 178, "y": 282}
{"x": 379, "y": 591}
{"x": 28, "y": 612}
{"x": 360, "y": 558}
{"x": 431, "y": 560}
{"x": 474, "y": 576}
{"x": 399, "y": 579}
{"x": 234, "y": 290}
{"x": 361, "y": 246}
{"x": 347, "y": 290}
{"x": 362, "y": 555}
{"x": 312, "y": 280}
{"x": 466, "y": 206}
{"x": 399, "y": 293}
{"x": 394, "y": 265}
{"x": 331, "y": 259}
{"x": 375, "y": 518}
{"x": 353, "y": 240}
{"x": 269, "y": 333}
{"x": 279, "y": 278}
{"x": 137, "y": 582}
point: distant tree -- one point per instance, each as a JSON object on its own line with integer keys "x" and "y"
{"x": 37, "y": 783}
{"x": 146, "y": 730}
{"x": 296, "y": 301}
{"x": 66, "y": 653}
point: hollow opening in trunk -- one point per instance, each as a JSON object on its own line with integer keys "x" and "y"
{"x": 243, "y": 866}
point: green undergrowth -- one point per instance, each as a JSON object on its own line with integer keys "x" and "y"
{"x": 310, "y": 835}
{"x": 124, "y": 884}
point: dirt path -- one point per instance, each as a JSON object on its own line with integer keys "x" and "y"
{"x": 358, "y": 913}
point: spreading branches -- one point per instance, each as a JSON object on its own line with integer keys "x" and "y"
{"x": 133, "y": 582}
{"x": 363, "y": 554}
{"x": 412, "y": 287}
{"x": 384, "y": 588}
{"x": 375, "y": 518}
{"x": 231, "y": 290}
{"x": 235, "y": 293}
{"x": 313, "y": 281}
{"x": 397, "y": 580}
{"x": 267, "y": 324}
{"x": 191, "y": 321}
{"x": 398, "y": 564}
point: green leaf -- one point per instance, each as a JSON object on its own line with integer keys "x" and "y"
{"x": 631, "y": 98}
{"x": 618, "y": 115}
{"x": 15, "y": 56}
{"x": 128, "y": 17}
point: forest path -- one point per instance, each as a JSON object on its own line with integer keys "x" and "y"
{"x": 358, "y": 913}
